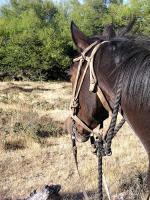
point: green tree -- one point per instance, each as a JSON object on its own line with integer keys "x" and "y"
{"x": 31, "y": 43}
{"x": 35, "y": 40}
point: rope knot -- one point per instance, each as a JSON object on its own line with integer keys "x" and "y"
{"x": 93, "y": 80}
{"x": 93, "y": 84}
{"x": 83, "y": 57}
{"x": 99, "y": 147}
{"x": 75, "y": 105}
{"x": 107, "y": 149}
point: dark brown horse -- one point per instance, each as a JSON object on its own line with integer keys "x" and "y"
{"x": 119, "y": 57}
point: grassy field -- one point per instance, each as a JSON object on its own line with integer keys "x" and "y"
{"x": 35, "y": 151}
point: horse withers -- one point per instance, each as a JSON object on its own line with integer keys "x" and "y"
{"x": 117, "y": 58}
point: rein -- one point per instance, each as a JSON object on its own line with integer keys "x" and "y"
{"x": 102, "y": 145}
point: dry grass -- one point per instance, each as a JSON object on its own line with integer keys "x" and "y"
{"x": 35, "y": 151}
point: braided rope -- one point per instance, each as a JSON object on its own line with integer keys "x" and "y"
{"x": 119, "y": 126}
{"x": 100, "y": 179}
{"x": 112, "y": 130}
{"x": 100, "y": 170}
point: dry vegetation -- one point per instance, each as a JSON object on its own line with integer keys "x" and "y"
{"x": 36, "y": 151}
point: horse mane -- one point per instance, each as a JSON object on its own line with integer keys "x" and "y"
{"x": 134, "y": 69}
{"x": 133, "y": 53}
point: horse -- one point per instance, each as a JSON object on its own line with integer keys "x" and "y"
{"x": 116, "y": 58}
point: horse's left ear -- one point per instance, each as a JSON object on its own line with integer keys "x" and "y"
{"x": 80, "y": 40}
{"x": 109, "y": 32}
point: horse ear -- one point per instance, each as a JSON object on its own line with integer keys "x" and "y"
{"x": 109, "y": 32}
{"x": 80, "y": 40}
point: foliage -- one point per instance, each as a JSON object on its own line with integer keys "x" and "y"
{"x": 31, "y": 42}
{"x": 35, "y": 41}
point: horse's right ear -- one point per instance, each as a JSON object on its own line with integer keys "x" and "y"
{"x": 80, "y": 40}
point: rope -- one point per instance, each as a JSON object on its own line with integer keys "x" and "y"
{"x": 81, "y": 123}
{"x": 93, "y": 79}
{"x": 112, "y": 130}
{"x": 119, "y": 126}
{"x": 100, "y": 178}
{"x": 100, "y": 171}
{"x": 74, "y": 147}
{"x": 106, "y": 187}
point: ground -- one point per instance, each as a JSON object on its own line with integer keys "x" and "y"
{"x": 35, "y": 150}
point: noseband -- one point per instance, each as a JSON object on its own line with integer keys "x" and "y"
{"x": 93, "y": 83}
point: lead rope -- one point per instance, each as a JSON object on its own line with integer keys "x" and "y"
{"x": 101, "y": 177}
{"x": 113, "y": 129}
{"x": 74, "y": 147}
{"x": 100, "y": 168}
{"x": 98, "y": 144}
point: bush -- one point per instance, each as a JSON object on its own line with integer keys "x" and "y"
{"x": 35, "y": 39}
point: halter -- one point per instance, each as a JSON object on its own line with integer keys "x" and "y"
{"x": 93, "y": 83}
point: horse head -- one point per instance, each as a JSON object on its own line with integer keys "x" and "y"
{"x": 87, "y": 106}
